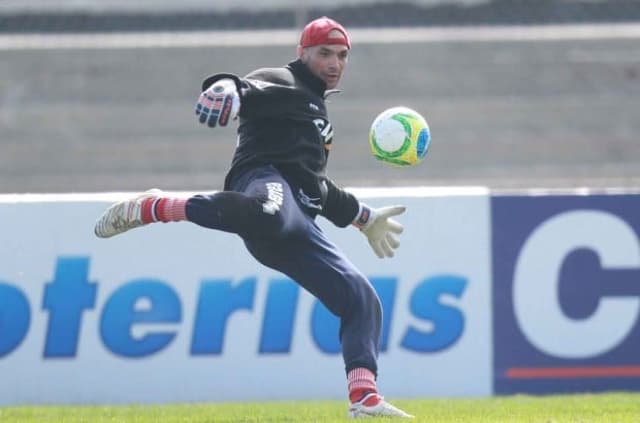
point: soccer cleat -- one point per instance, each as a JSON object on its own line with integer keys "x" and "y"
{"x": 381, "y": 408}
{"x": 123, "y": 216}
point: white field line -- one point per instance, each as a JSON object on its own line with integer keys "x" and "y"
{"x": 132, "y": 40}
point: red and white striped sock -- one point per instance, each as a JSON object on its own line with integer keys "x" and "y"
{"x": 362, "y": 382}
{"x": 160, "y": 209}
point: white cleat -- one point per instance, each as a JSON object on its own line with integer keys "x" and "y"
{"x": 381, "y": 409}
{"x": 123, "y": 216}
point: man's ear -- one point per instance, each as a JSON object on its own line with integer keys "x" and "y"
{"x": 300, "y": 50}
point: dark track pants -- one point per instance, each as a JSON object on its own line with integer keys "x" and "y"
{"x": 262, "y": 209}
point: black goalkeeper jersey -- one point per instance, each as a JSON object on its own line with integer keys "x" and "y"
{"x": 284, "y": 123}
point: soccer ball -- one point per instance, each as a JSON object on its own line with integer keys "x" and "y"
{"x": 399, "y": 136}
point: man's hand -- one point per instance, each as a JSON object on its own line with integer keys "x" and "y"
{"x": 380, "y": 229}
{"x": 218, "y": 104}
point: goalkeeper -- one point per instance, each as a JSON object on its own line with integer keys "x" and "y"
{"x": 277, "y": 186}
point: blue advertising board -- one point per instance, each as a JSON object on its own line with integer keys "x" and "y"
{"x": 566, "y": 289}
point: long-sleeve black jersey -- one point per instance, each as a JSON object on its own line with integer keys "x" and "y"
{"x": 284, "y": 123}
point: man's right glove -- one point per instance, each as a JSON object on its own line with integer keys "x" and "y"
{"x": 379, "y": 228}
{"x": 219, "y": 103}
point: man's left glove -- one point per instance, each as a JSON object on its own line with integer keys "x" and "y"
{"x": 379, "y": 228}
{"x": 219, "y": 103}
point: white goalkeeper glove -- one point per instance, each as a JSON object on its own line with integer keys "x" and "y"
{"x": 380, "y": 230}
{"x": 219, "y": 103}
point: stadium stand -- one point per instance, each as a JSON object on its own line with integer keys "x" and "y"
{"x": 102, "y": 17}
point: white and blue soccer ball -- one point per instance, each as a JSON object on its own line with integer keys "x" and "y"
{"x": 399, "y": 136}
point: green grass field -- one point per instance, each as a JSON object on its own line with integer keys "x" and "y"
{"x": 609, "y": 408}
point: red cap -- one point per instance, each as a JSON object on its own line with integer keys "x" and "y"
{"x": 318, "y": 32}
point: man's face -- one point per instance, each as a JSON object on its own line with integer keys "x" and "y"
{"x": 326, "y": 61}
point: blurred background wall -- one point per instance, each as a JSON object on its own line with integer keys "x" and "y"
{"x": 98, "y": 95}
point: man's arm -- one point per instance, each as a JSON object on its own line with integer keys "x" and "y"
{"x": 342, "y": 208}
{"x": 263, "y": 93}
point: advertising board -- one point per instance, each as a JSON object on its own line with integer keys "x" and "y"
{"x": 175, "y": 312}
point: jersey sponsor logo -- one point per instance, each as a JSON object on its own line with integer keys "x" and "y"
{"x": 326, "y": 131}
{"x": 275, "y": 198}
{"x": 566, "y": 293}
{"x": 314, "y": 107}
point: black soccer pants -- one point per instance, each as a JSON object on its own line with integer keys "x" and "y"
{"x": 262, "y": 209}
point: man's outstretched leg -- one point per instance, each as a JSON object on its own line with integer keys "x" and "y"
{"x": 257, "y": 209}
